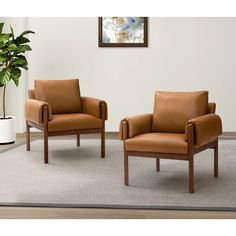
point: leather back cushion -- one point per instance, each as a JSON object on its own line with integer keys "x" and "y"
{"x": 31, "y": 94}
{"x": 211, "y": 108}
{"x": 173, "y": 109}
{"x": 62, "y": 95}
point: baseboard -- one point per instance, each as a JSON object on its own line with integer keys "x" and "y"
{"x": 228, "y": 135}
{"x": 225, "y": 135}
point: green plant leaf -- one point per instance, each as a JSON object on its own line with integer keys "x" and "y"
{"x": 21, "y": 40}
{"x": 15, "y": 71}
{"x": 27, "y": 32}
{"x": 15, "y": 75}
{"x": 20, "y": 60}
{"x": 12, "y": 32}
{"x": 3, "y": 57}
{"x": 25, "y": 67}
{"x": 4, "y": 37}
{"x": 1, "y": 26}
{"x": 12, "y": 47}
{"x": 5, "y": 76}
{"x": 16, "y": 80}
{"x": 23, "y": 48}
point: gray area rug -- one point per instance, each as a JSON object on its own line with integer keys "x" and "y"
{"x": 78, "y": 177}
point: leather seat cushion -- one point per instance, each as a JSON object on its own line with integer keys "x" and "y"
{"x": 62, "y": 95}
{"x": 66, "y": 122}
{"x": 158, "y": 142}
{"x": 173, "y": 109}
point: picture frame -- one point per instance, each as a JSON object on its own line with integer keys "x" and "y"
{"x": 122, "y": 31}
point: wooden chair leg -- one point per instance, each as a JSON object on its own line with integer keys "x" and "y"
{"x": 27, "y": 137}
{"x": 157, "y": 164}
{"x": 103, "y": 144}
{"x": 45, "y": 147}
{"x": 78, "y": 140}
{"x": 216, "y": 160}
{"x": 191, "y": 175}
{"x": 190, "y": 134}
{"x": 126, "y": 169}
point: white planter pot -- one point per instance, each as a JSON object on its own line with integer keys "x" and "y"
{"x": 8, "y": 130}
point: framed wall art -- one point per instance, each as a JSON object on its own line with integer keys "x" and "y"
{"x": 122, "y": 32}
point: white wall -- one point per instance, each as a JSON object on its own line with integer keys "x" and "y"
{"x": 184, "y": 54}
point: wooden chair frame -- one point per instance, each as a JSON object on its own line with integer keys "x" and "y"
{"x": 46, "y": 133}
{"x": 186, "y": 157}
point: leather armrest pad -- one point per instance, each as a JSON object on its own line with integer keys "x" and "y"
{"x": 34, "y": 111}
{"x": 206, "y": 128}
{"x": 92, "y": 106}
{"x": 136, "y": 125}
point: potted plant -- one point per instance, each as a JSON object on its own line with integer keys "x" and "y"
{"x": 12, "y": 61}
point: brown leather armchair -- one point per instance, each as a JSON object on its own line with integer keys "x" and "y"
{"x": 182, "y": 124}
{"x": 56, "y": 108}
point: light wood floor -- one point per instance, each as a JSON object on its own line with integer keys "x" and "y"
{"x": 90, "y": 213}
{"x": 99, "y": 213}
